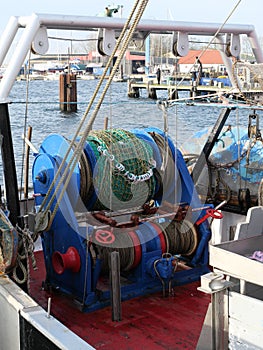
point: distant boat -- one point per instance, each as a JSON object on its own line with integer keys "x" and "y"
{"x": 32, "y": 76}
{"x": 120, "y": 78}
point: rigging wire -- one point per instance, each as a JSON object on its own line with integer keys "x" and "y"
{"x": 111, "y": 152}
{"x": 219, "y": 29}
{"x": 211, "y": 40}
{"x": 70, "y": 39}
{"x": 92, "y": 119}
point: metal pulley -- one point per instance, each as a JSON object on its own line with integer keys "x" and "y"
{"x": 180, "y": 44}
{"x": 106, "y": 41}
{"x": 40, "y": 44}
{"x": 232, "y": 45}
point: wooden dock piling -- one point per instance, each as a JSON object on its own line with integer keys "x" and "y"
{"x": 68, "y": 92}
{"x": 133, "y": 91}
{"x": 151, "y": 91}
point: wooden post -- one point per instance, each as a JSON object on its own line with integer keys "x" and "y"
{"x": 133, "y": 91}
{"x": 115, "y": 286}
{"x": 106, "y": 122}
{"x": 68, "y": 92}
{"x": 172, "y": 94}
{"x": 152, "y": 93}
{"x": 219, "y": 321}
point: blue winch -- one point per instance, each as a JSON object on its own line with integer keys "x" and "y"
{"x": 130, "y": 192}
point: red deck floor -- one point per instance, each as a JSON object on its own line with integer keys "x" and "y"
{"x": 149, "y": 322}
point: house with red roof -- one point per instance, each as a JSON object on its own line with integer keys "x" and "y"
{"x": 211, "y": 60}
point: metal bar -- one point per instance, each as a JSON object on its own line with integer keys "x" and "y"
{"x": 228, "y": 63}
{"x": 213, "y": 136}
{"x": 255, "y": 46}
{"x": 243, "y": 287}
{"x": 219, "y": 318}
{"x": 18, "y": 58}
{"x": 155, "y": 26}
{"x": 32, "y": 23}
{"x": 115, "y": 286}
{"x": 8, "y": 37}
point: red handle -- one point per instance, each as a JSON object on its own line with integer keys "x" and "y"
{"x": 212, "y": 213}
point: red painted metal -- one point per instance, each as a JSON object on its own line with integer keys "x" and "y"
{"x": 137, "y": 248}
{"x": 210, "y": 213}
{"x": 104, "y": 236}
{"x": 69, "y": 260}
{"x": 161, "y": 237}
{"x": 149, "y": 322}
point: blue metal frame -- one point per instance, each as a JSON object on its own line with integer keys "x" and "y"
{"x": 65, "y": 232}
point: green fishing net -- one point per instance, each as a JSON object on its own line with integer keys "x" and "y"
{"x": 123, "y": 175}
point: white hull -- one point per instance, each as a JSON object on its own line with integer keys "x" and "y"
{"x": 18, "y": 307}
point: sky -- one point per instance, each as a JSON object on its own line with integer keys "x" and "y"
{"x": 247, "y": 12}
{"x": 211, "y": 11}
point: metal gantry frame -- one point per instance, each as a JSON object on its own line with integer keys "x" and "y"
{"x": 35, "y": 34}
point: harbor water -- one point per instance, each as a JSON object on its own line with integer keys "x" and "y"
{"x": 41, "y": 111}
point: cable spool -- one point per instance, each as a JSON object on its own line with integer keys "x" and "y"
{"x": 176, "y": 238}
{"x": 85, "y": 189}
{"x": 123, "y": 243}
{"x": 129, "y": 245}
{"x": 182, "y": 237}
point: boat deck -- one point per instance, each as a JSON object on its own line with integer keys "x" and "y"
{"x": 150, "y": 322}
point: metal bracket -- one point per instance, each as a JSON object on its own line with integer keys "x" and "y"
{"x": 180, "y": 44}
{"x": 213, "y": 282}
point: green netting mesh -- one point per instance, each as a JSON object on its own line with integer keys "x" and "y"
{"x": 123, "y": 174}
